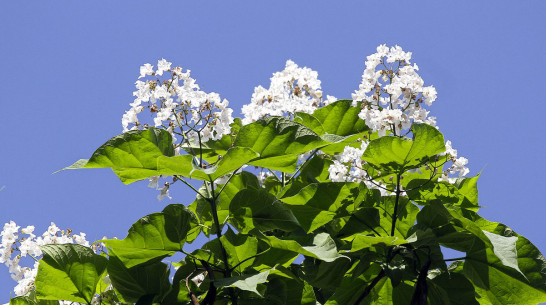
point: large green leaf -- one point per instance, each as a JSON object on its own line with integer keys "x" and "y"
{"x": 339, "y": 118}
{"x": 156, "y": 236}
{"x": 492, "y": 271}
{"x": 278, "y": 141}
{"x": 132, "y": 155}
{"x": 69, "y": 272}
{"x": 320, "y": 246}
{"x": 321, "y": 274}
{"x": 450, "y": 289}
{"x": 185, "y": 165}
{"x": 504, "y": 285}
{"x": 30, "y": 299}
{"x": 247, "y": 282}
{"x": 201, "y": 206}
{"x": 319, "y": 203}
{"x": 360, "y": 241}
{"x": 284, "y": 291}
{"x": 452, "y": 229}
{"x": 240, "y": 248}
{"x": 406, "y": 215}
{"x": 143, "y": 281}
{"x": 363, "y": 220}
{"x": 383, "y": 293}
{"x": 256, "y": 208}
{"x": 423, "y": 191}
{"x": 396, "y": 154}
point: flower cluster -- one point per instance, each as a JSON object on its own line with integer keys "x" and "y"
{"x": 392, "y": 100}
{"x": 393, "y": 95}
{"x": 292, "y": 90}
{"x": 177, "y": 104}
{"x": 24, "y": 243}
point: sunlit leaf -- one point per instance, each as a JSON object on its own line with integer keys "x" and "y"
{"x": 69, "y": 272}
{"x": 396, "y": 154}
{"x": 156, "y": 236}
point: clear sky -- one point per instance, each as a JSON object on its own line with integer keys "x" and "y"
{"x": 68, "y": 71}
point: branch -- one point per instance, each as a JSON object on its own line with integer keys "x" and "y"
{"x": 370, "y": 287}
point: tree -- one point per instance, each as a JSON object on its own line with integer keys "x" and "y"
{"x": 309, "y": 201}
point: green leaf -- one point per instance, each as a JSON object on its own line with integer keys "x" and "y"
{"x": 464, "y": 194}
{"x": 382, "y": 294}
{"x": 321, "y": 274}
{"x": 283, "y": 291}
{"x": 363, "y": 220}
{"x": 396, "y": 154}
{"x": 279, "y": 141}
{"x": 502, "y": 285}
{"x": 317, "y": 204}
{"x": 247, "y": 282}
{"x": 340, "y": 118}
{"x": 438, "y": 217}
{"x": 469, "y": 188}
{"x": 256, "y": 208}
{"x": 498, "y": 281}
{"x": 201, "y": 206}
{"x": 156, "y": 236}
{"x": 185, "y": 165}
{"x": 241, "y": 249}
{"x": 132, "y": 155}
{"x": 30, "y": 299}
{"x": 359, "y": 241}
{"x": 136, "y": 282}
{"x": 69, "y": 272}
{"x": 450, "y": 289}
{"x": 320, "y": 246}
{"x": 406, "y": 215}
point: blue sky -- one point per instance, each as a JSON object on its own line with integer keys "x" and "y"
{"x": 69, "y": 67}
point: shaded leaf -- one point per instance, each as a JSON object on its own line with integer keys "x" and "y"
{"x": 256, "y": 208}
{"x": 247, "y": 282}
{"x": 318, "y": 204}
{"x": 136, "y": 282}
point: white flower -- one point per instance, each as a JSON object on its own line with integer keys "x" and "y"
{"x": 52, "y": 229}
{"x": 162, "y": 65}
{"x": 459, "y": 166}
{"x": 146, "y": 69}
{"x": 164, "y": 192}
{"x": 154, "y": 182}
{"x": 338, "y": 172}
{"x": 291, "y": 90}
{"x": 392, "y": 95}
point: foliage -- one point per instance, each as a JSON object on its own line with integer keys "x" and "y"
{"x": 300, "y": 235}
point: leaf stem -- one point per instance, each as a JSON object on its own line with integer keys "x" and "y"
{"x": 191, "y": 186}
{"x": 395, "y": 213}
{"x": 226, "y": 271}
{"x": 455, "y": 259}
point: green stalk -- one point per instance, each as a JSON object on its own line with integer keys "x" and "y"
{"x": 395, "y": 213}
{"x": 227, "y": 270}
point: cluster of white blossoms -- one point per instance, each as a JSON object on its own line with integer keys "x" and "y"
{"x": 292, "y": 90}
{"x": 392, "y": 100}
{"x": 18, "y": 243}
{"x": 392, "y": 93}
{"x": 177, "y": 104}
